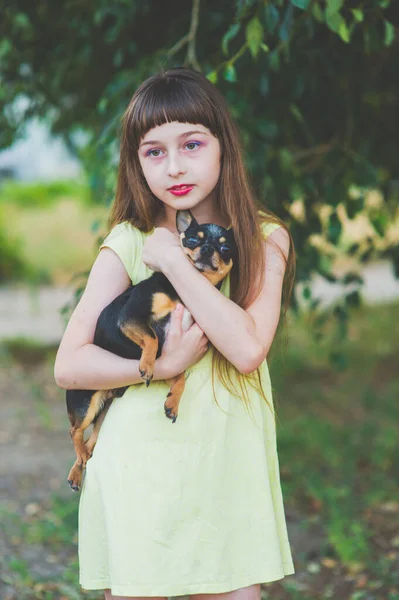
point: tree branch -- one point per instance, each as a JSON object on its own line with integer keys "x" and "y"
{"x": 191, "y": 58}
{"x": 189, "y": 39}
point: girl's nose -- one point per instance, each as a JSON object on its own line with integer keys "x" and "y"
{"x": 175, "y": 165}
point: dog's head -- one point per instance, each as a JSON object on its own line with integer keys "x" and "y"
{"x": 210, "y": 247}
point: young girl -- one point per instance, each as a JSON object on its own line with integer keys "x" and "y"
{"x": 195, "y": 507}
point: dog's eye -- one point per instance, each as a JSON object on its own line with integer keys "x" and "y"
{"x": 191, "y": 242}
{"x": 225, "y": 249}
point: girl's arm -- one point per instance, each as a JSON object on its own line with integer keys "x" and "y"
{"x": 79, "y": 363}
{"x": 93, "y": 368}
{"x": 244, "y": 337}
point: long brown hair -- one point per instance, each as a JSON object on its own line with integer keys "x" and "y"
{"x": 184, "y": 95}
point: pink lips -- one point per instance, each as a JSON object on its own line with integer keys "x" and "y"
{"x": 180, "y": 190}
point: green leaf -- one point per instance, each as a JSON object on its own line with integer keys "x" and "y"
{"x": 334, "y": 21}
{"x": 334, "y": 228}
{"x": 317, "y": 13}
{"x": 286, "y": 159}
{"x": 254, "y": 35}
{"x": 333, "y": 6}
{"x": 102, "y": 105}
{"x": 274, "y": 60}
{"x": 230, "y": 73}
{"x": 118, "y": 57}
{"x": 352, "y": 278}
{"x": 271, "y": 17}
{"x": 343, "y": 31}
{"x": 307, "y": 292}
{"x": 231, "y": 33}
{"x": 5, "y": 47}
{"x": 353, "y": 249}
{"x": 379, "y": 221}
{"x": 389, "y": 33}
{"x": 212, "y": 76}
{"x": 354, "y": 206}
{"x": 294, "y": 110}
{"x": 303, "y": 4}
{"x": 358, "y": 14}
{"x": 21, "y": 20}
{"x": 286, "y": 25}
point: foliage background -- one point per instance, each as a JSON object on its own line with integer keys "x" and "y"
{"x": 311, "y": 83}
{"x": 313, "y": 86}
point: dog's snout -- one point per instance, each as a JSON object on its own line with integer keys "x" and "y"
{"x": 206, "y": 250}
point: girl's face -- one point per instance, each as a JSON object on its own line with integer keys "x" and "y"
{"x": 175, "y": 154}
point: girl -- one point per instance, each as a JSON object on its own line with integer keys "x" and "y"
{"x": 192, "y": 508}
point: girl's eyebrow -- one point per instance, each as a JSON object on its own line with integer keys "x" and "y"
{"x": 183, "y": 135}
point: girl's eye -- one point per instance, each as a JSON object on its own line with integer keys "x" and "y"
{"x": 155, "y": 155}
{"x": 193, "y": 145}
{"x": 156, "y": 152}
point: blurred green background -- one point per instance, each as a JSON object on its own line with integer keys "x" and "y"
{"x": 313, "y": 87}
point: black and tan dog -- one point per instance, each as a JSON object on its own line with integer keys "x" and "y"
{"x": 135, "y": 324}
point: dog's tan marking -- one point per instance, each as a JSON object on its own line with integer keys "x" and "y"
{"x": 97, "y": 402}
{"x": 76, "y": 432}
{"x": 192, "y": 254}
{"x": 162, "y": 305}
{"x": 215, "y": 276}
{"x": 222, "y": 239}
{"x": 92, "y": 440}
{"x": 75, "y": 474}
{"x": 144, "y": 336}
{"x": 172, "y": 402}
{"x": 182, "y": 235}
{"x": 200, "y": 234}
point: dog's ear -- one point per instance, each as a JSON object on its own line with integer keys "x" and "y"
{"x": 184, "y": 219}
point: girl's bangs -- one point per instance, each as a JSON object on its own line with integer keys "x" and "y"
{"x": 165, "y": 102}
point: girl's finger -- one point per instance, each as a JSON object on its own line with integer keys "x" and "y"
{"x": 196, "y": 331}
{"x": 176, "y": 319}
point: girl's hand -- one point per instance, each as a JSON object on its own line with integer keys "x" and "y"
{"x": 160, "y": 244}
{"x": 182, "y": 348}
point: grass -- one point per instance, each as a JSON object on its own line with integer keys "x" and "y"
{"x": 43, "y": 194}
{"x": 338, "y": 430}
{"x": 58, "y": 241}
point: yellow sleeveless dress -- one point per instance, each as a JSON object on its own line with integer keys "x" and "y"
{"x": 195, "y": 506}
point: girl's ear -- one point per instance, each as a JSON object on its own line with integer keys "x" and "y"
{"x": 184, "y": 219}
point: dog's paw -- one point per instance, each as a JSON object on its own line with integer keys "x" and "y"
{"x": 73, "y": 485}
{"x": 75, "y": 477}
{"x": 146, "y": 376}
{"x": 169, "y": 412}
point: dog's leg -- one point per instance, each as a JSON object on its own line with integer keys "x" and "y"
{"x": 92, "y": 440}
{"x": 144, "y": 336}
{"x": 173, "y": 400}
{"x": 77, "y": 430}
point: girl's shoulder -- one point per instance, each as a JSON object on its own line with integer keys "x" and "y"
{"x": 127, "y": 242}
{"x": 126, "y": 229}
{"x": 268, "y": 223}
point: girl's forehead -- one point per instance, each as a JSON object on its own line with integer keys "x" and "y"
{"x": 174, "y": 129}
